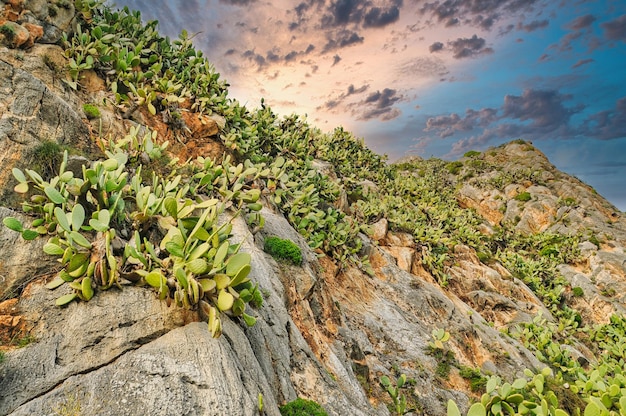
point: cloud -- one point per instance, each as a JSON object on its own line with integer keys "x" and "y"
{"x": 435, "y": 47}
{"x": 532, "y": 26}
{"x": 535, "y": 115}
{"x": 379, "y": 105}
{"x": 336, "y": 60}
{"x": 238, "y": 2}
{"x": 543, "y": 108}
{"x": 609, "y": 124}
{"x": 479, "y": 13}
{"x": 469, "y": 47}
{"x": 341, "y": 39}
{"x": 338, "y": 100}
{"x": 340, "y": 13}
{"x": 615, "y": 29}
{"x": 582, "y": 62}
{"x": 378, "y": 17}
{"x": 581, "y": 22}
{"x": 448, "y": 125}
{"x": 254, "y": 57}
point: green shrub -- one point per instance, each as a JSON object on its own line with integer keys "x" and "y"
{"x": 475, "y": 377}
{"x": 302, "y": 407}
{"x": 8, "y": 31}
{"x": 471, "y": 153}
{"x": 594, "y": 240}
{"x": 283, "y": 250}
{"x": 91, "y": 111}
{"x": 454, "y": 167}
{"x": 2, "y": 357}
{"x": 523, "y": 197}
{"x": 46, "y": 157}
{"x": 578, "y": 291}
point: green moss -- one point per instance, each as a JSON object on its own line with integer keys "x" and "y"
{"x": 283, "y": 250}
{"x": 91, "y": 111}
{"x": 302, "y": 407}
{"x": 524, "y": 197}
{"x": 578, "y": 292}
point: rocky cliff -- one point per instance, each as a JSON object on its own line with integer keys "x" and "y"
{"x": 420, "y": 282}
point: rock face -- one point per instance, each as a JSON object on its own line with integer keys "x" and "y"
{"x": 325, "y": 332}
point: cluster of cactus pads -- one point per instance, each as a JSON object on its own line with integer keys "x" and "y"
{"x": 108, "y": 227}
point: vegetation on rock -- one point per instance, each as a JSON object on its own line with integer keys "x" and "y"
{"x": 302, "y": 407}
{"x": 283, "y": 249}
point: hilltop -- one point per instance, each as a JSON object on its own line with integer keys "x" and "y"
{"x": 142, "y": 274}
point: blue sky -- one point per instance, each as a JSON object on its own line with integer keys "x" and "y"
{"x": 430, "y": 78}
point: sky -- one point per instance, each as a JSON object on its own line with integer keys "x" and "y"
{"x": 433, "y": 78}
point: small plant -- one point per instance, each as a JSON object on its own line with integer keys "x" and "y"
{"x": 302, "y": 407}
{"x": 523, "y": 197}
{"x": 8, "y": 31}
{"x": 475, "y": 377}
{"x": 91, "y": 111}
{"x": 399, "y": 406}
{"x": 283, "y": 250}
{"x": 578, "y": 292}
{"x": 454, "y": 167}
{"x": 46, "y": 157}
{"x": 2, "y": 357}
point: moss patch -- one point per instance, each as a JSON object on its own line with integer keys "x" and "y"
{"x": 283, "y": 250}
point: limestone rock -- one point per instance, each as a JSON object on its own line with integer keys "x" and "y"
{"x": 379, "y": 229}
{"x": 21, "y": 260}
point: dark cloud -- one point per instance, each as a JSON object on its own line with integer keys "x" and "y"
{"x": 378, "y": 17}
{"x": 581, "y": 22}
{"x": 336, "y": 101}
{"x": 452, "y": 22}
{"x": 336, "y": 60}
{"x": 236, "y": 2}
{"x": 448, "y": 125}
{"x": 291, "y": 56}
{"x": 609, "y": 124}
{"x": 469, "y": 47}
{"x": 479, "y": 13}
{"x": 341, "y": 13}
{"x": 379, "y": 105}
{"x": 582, "y": 62}
{"x": 254, "y": 57}
{"x": 435, "y": 47}
{"x": 615, "y": 29}
{"x": 543, "y": 108}
{"x": 272, "y": 57}
{"x": 532, "y": 26}
{"x": 341, "y": 39}
{"x": 535, "y": 115}
{"x": 565, "y": 44}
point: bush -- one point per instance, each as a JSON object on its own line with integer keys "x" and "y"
{"x": 454, "y": 167}
{"x": 471, "y": 153}
{"x": 302, "y": 407}
{"x": 524, "y": 197}
{"x": 578, "y": 291}
{"x": 283, "y": 250}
